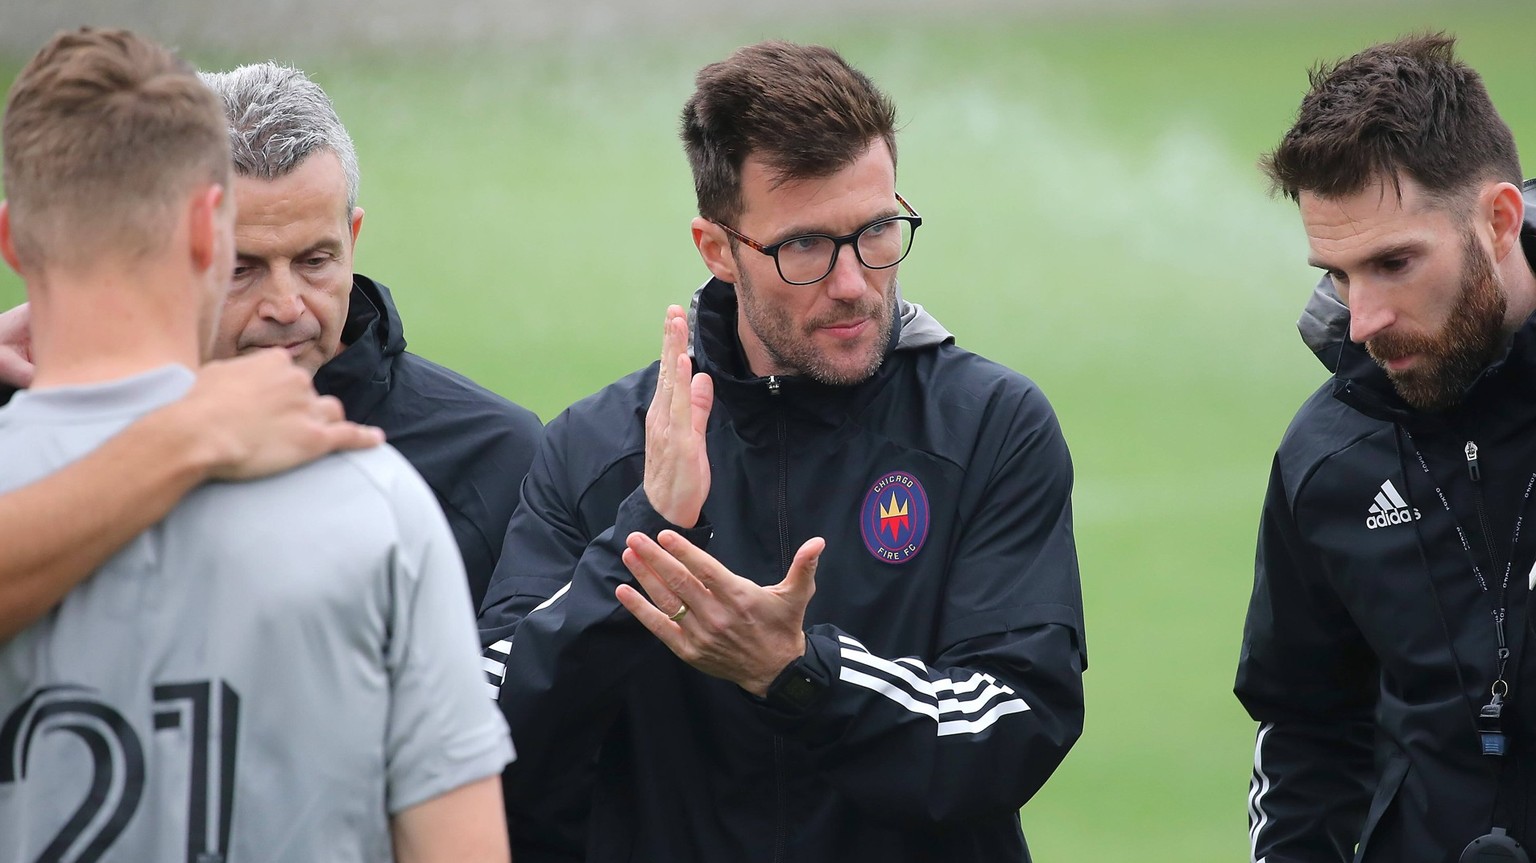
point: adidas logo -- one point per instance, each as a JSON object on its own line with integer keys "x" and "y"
{"x": 1389, "y": 508}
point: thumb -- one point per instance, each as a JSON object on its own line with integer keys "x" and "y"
{"x": 15, "y": 370}
{"x": 800, "y": 582}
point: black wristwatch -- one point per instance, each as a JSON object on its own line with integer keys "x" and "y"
{"x": 800, "y": 685}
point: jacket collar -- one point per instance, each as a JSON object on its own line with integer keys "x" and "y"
{"x": 360, "y": 376}
{"x": 1363, "y": 385}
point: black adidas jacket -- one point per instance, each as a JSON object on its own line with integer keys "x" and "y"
{"x": 470, "y": 445}
{"x": 947, "y": 619}
{"x": 1369, "y": 646}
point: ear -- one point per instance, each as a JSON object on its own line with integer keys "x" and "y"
{"x": 203, "y": 227}
{"x": 715, "y": 248}
{"x": 357, "y": 224}
{"x": 1504, "y": 208}
{"x": 7, "y": 242}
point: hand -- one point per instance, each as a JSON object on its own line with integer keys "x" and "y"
{"x": 733, "y": 628}
{"x": 259, "y": 415}
{"x": 676, "y": 460}
{"x": 16, "y": 346}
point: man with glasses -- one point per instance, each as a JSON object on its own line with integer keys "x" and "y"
{"x": 675, "y": 691}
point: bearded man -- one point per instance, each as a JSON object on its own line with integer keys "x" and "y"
{"x": 1384, "y": 653}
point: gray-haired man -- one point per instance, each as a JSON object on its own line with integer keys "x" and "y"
{"x": 297, "y": 225}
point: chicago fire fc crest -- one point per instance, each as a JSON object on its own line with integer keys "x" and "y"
{"x": 894, "y": 518}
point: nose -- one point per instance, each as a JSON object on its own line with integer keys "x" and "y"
{"x": 848, "y": 279}
{"x": 1369, "y": 314}
{"x": 282, "y": 301}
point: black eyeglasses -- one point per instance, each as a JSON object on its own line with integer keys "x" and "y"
{"x": 808, "y": 258}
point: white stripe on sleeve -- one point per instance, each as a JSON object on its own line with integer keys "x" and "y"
{"x": 1257, "y": 789}
{"x": 969, "y": 705}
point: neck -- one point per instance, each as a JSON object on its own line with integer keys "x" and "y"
{"x": 111, "y": 322}
{"x": 1519, "y": 287}
{"x": 759, "y": 362}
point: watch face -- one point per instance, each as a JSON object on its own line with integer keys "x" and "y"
{"x": 1495, "y": 847}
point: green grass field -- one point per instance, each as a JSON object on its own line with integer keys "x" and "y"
{"x": 1093, "y": 219}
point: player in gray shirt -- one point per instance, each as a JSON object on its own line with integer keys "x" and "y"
{"x": 279, "y": 670}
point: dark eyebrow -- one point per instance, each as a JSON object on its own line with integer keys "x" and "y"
{"x": 794, "y": 231}
{"x": 1397, "y": 250}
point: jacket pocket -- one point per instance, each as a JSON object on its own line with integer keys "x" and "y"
{"x": 1386, "y": 793}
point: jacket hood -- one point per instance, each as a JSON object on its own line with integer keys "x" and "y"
{"x": 372, "y": 309}
{"x": 1324, "y": 328}
{"x": 361, "y": 374}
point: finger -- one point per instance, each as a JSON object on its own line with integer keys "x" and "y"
{"x": 674, "y": 340}
{"x": 663, "y": 372}
{"x": 651, "y": 618}
{"x": 703, "y": 399}
{"x": 276, "y": 358}
{"x": 681, "y": 397}
{"x": 800, "y": 581}
{"x": 673, "y": 574}
{"x": 702, "y": 566}
{"x": 670, "y": 343}
{"x": 327, "y": 409}
{"x": 655, "y": 587}
{"x": 349, "y": 436}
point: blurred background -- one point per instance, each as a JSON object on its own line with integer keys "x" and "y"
{"x": 1093, "y": 218}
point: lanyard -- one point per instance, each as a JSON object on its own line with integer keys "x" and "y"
{"x": 1489, "y": 726}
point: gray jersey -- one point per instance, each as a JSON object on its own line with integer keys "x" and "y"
{"x": 265, "y": 675}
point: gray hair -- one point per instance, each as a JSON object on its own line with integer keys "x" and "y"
{"x": 277, "y": 118}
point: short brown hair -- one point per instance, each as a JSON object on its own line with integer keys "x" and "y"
{"x": 104, "y": 132}
{"x": 800, "y": 108}
{"x": 1407, "y": 107}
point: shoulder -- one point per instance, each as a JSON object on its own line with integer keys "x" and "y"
{"x": 1328, "y": 435}
{"x": 596, "y": 446}
{"x": 611, "y": 420}
{"x": 452, "y": 397}
{"x": 345, "y": 513}
{"x": 962, "y": 395}
{"x": 955, "y": 378}
{"x": 371, "y": 482}
{"x": 382, "y": 469}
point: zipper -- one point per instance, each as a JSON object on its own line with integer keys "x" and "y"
{"x": 1475, "y": 473}
{"x": 778, "y": 799}
{"x": 781, "y": 814}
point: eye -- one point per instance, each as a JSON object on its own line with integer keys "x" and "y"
{"x": 803, "y": 244}
{"x": 316, "y": 260}
{"x": 877, "y": 229}
{"x": 1394, "y": 265}
{"x": 1339, "y": 277}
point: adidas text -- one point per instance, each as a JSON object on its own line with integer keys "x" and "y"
{"x": 1391, "y": 517}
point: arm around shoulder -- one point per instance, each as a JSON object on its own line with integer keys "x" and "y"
{"x": 243, "y": 418}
